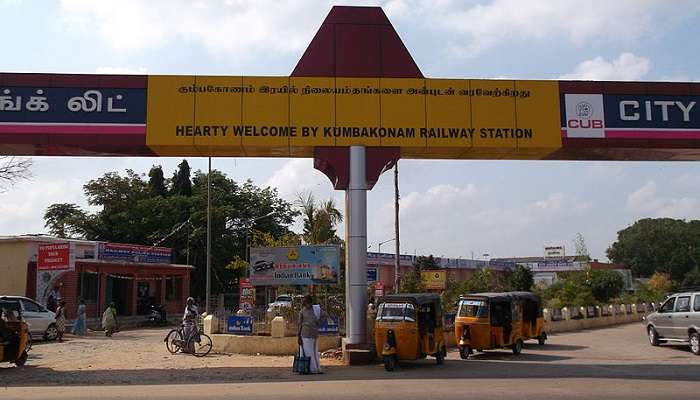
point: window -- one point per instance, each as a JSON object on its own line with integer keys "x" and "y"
{"x": 88, "y": 287}
{"x": 30, "y": 306}
{"x": 668, "y": 305}
{"x": 683, "y": 304}
{"x": 696, "y": 303}
{"x": 173, "y": 288}
{"x": 473, "y": 308}
{"x": 396, "y": 312}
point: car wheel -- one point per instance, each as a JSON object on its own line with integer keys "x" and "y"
{"x": 542, "y": 338}
{"x": 695, "y": 343}
{"x": 518, "y": 347}
{"x": 51, "y": 332}
{"x": 464, "y": 352}
{"x": 653, "y": 336}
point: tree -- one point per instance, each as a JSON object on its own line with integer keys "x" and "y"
{"x": 426, "y": 263}
{"x": 658, "y": 245}
{"x": 606, "y": 284}
{"x": 692, "y": 278}
{"x": 65, "y": 220}
{"x": 320, "y": 220}
{"x": 156, "y": 181}
{"x": 660, "y": 282}
{"x": 13, "y": 169}
{"x": 522, "y": 279}
{"x": 181, "y": 183}
{"x": 581, "y": 248}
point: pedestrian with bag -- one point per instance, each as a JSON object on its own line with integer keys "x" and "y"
{"x": 310, "y": 318}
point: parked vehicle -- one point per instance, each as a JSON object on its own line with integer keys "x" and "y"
{"x": 157, "y": 315}
{"x": 282, "y": 301}
{"x": 14, "y": 333}
{"x": 409, "y": 327}
{"x": 487, "y": 321}
{"x": 41, "y": 321}
{"x": 677, "y": 321}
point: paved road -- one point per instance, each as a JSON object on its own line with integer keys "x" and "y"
{"x": 612, "y": 363}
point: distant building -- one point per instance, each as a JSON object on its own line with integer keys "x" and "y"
{"x": 131, "y": 276}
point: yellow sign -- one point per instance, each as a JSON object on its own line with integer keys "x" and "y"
{"x": 434, "y": 280}
{"x": 288, "y": 116}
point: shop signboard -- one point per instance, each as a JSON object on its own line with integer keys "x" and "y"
{"x": 55, "y": 256}
{"x": 240, "y": 325}
{"x": 133, "y": 253}
{"x": 247, "y": 296}
{"x": 434, "y": 280}
{"x": 295, "y": 265}
{"x": 379, "y": 289}
{"x": 330, "y": 326}
{"x": 389, "y": 259}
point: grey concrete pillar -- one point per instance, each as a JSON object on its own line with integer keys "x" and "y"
{"x": 356, "y": 251}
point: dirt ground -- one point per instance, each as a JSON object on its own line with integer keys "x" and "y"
{"x": 135, "y": 357}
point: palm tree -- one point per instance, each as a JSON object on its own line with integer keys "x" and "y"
{"x": 319, "y": 219}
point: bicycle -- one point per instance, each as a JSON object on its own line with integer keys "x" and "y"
{"x": 199, "y": 344}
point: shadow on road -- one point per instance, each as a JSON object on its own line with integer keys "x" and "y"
{"x": 490, "y": 366}
{"x": 553, "y": 347}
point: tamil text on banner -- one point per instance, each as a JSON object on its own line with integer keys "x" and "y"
{"x": 434, "y": 280}
{"x": 133, "y": 253}
{"x": 296, "y": 265}
{"x": 241, "y": 325}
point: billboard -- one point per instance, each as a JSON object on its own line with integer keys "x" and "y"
{"x": 434, "y": 280}
{"x": 55, "y": 256}
{"x": 295, "y": 265}
{"x": 554, "y": 251}
{"x": 133, "y": 253}
{"x": 246, "y": 300}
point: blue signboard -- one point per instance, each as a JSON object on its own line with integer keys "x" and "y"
{"x": 331, "y": 326}
{"x": 372, "y": 275}
{"x": 133, "y": 253}
{"x": 240, "y": 325}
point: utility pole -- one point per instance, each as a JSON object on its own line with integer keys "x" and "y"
{"x": 396, "y": 225}
{"x": 206, "y": 307}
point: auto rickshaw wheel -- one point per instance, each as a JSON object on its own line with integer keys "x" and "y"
{"x": 440, "y": 356}
{"x": 389, "y": 363}
{"x": 22, "y": 359}
{"x": 518, "y": 347}
{"x": 465, "y": 352}
{"x": 542, "y": 338}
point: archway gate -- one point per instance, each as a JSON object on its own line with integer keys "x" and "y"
{"x": 356, "y": 102}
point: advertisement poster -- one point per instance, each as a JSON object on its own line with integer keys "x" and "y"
{"x": 240, "y": 325}
{"x": 133, "y": 253}
{"x": 296, "y": 265}
{"x": 434, "y": 280}
{"x": 371, "y": 275}
{"x": 247, "y": 296}
{"x": 54, "y": 256}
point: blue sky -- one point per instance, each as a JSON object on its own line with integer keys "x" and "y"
{"x": 450, "y": 208}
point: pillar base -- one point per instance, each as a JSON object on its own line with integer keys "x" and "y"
{"x": 358, "y": 354}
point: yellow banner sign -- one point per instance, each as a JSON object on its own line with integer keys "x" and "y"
{"x": 434, "y": 280}
{"x": 287, "y": 116}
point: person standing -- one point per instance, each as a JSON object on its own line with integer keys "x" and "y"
{"x": 61, "y": 320}
{"x": 79, "y": 325}
{"x": 51, "y": 304}
{"x": 109, "y": 320}
{"x": 189, "y": 320}
{"x": 310, "y": 318}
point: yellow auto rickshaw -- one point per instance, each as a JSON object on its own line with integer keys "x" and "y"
{"x": 487, "y": 321}
{"x": 14, "y": 333}
{"x": 409, "y": 327}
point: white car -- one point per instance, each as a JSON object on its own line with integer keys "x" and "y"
{"x": 282, "y": 301}
{"x": 41, "y": 321}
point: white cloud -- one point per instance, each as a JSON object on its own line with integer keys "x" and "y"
{"x": 482, "y": 25}
{"x": 121, "y": 70}
{"x": 648, "y": 202}
{"x": 626, "y": 67}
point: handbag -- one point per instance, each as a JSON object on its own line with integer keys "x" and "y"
{"x": 302, "y": 363}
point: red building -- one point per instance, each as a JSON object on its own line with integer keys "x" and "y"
{"x": 131, "y": 276}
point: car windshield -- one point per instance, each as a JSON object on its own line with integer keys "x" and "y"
{"x": 284, "y": 298}
{"x": 396, "y": 312}
{"x": 473, "y": 308}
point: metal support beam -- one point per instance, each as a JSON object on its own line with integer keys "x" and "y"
{"x": 356, "y": 253}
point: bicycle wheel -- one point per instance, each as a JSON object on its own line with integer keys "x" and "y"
{"x": 173, "y": 341}
{"x": 200, "y": 344}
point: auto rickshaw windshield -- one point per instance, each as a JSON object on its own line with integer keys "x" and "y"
{"x": 473, "y": 308}
{"x": 396, "y": 312}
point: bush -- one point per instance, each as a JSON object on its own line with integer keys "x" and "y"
{"x": 692, "y": 278}
{"x": 522, "y": 279}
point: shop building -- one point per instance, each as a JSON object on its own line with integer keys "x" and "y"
{"x": 132, "y": 276}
